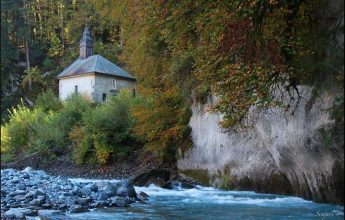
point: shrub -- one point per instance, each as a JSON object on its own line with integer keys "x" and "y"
{"x": 19, "y": 128}
{"x": 42, "y": 129}
{"x": 73, "y": 109}
{"x": 82, "y": 151}
{"x": 47, "y": 101}
{"x": 5, "y": 149}
{"x": 106, "y": 130}
{"x": 48, "y": 136}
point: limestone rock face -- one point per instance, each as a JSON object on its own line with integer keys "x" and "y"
{"x": 280, "y": 153}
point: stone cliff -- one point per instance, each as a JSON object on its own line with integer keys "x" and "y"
{"x": 300, "y": 154}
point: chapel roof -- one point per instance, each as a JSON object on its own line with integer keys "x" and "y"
{"x": 94, "y": 64}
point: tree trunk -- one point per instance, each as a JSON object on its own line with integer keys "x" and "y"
{"x": 121, "y": 37}
{"x": 62, "y": 23}
{"x": 27, "y": 55}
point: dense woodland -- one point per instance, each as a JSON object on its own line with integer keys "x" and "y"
{"x": 238, "y": 50}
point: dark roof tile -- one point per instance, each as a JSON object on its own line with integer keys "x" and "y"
{"x": 94, "y": 64}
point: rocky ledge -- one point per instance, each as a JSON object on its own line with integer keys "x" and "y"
{"x": 33, "y": 192}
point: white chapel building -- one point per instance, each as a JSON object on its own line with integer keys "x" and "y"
{"x": 93, "y": 75}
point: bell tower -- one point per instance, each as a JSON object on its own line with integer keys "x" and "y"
{"x": 86, "y": 44}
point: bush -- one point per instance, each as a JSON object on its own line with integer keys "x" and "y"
{"x": 48, "y": 136}
{"x": 106, "y": 131}
{"x": 72, "y": 111}
{"x": 47, "y": 101}
{"x": 98, "y": 134}
{"x": 19, "y": 128}
{"x": 5, "y": 150}
{"x": 82, "y": 151}
{"x": 42, "y": 129}
{"x": 51, "y": 135}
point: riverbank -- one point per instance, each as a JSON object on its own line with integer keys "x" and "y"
{"x": 131, "y": 166}
{"x": 26, "y": 192}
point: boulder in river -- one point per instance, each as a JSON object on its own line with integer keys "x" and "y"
{"x": 155, "y": 176}
{"x": 18, "y": 213}
{"x": 126, "y": 189}
{"x": 28, "y": 169}
{"x": 52, "y": 215}
{"x": 77, "y": 209}
{"x": 175, "y": 184}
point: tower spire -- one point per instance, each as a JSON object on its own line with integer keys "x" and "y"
{"x": 86, "y": 44}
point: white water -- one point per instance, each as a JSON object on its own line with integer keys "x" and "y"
{"x": 211, "y": 203}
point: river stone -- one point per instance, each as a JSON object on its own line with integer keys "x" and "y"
{"x": 156, "y": 181}
{"x": 83, "y": 201}
{"x": 52, "y": 215}
{"x": 175, "y": 184}
{"x": 142, "y": 179}
{"x": 46, "y": 206}
{"x": 143, "y": 194}
{"x": 41, "y": 199}
{"x": 40, "y": 173}
{"x": 18, "y": 213}
{"x": 35, "y": 202}
{"x": 19, "y": 197}
{"x": 85, "y": 191}
{"x": 14, "y": 180}
{"x": 76, "y": 192}
{"x": 109, "y": 190}
{"x": 109, "y": 187}
{"x": 141, "y": 198}
{"x": 49, "y": 192}
{"x": 125, "y": 189}
{"x": 103, "y": 196}
{"x": 28, "y": 169}
{"x": 77, "y": 209}
{"x": 92, "y": 187}
{"x": 119, "y": 201}
{"x": 21, "y": 186}
{"x": 17, "y": 192}
{"x": 25, "y": 176}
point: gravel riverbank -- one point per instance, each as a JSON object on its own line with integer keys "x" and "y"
{"x": 33, "y": 192}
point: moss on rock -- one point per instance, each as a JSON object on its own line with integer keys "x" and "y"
{"x": 199, "y": 175}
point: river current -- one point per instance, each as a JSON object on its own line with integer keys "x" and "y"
{"x": 210, "y": 203}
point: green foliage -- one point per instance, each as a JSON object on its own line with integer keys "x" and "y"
{"x": 48, "y": 136}
{"x": 48, "y": 63}
{"x": 44, "y": 128}
{"x": 73, "y": 109}
{"x": 237, "y": 50}
{"x": 105, "y": 130}
{"x": 38, "y": 81}
{"x": 162, "y": 123}
{"x": 82, "y": 151}
{"x": 52, "y": 29}
{"x": 20, "y": 127}
{"x": 48, "y": 101}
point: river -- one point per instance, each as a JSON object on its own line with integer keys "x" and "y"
{"x": 210, "y": 203}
